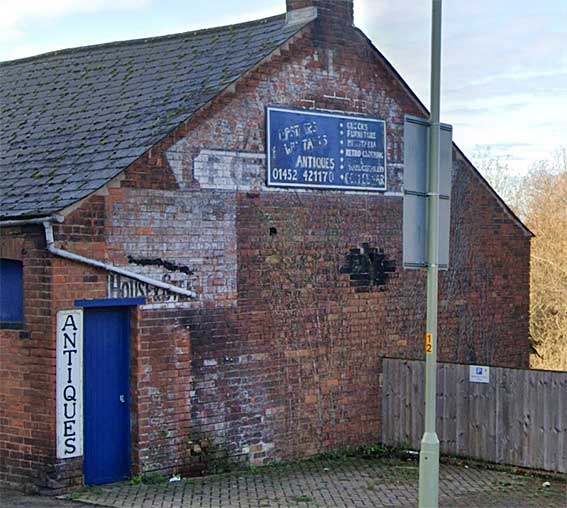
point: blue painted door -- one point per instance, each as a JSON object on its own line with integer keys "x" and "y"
{"x": 106, "y": 395}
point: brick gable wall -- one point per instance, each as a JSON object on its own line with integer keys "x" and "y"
{"x": 280, "y": 355}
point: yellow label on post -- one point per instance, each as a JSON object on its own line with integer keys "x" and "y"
{"x": 428, "y": 343}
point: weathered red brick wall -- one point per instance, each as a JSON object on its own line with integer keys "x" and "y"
{"x": 484, "y": 297}
{"x": 160, "y": 385}
{"x": 294, "y": 368}
{"x": 27, "y": 368}
{"x": 298, "y": 371}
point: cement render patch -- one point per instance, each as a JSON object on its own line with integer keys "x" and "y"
{"x": 344, "y": 483}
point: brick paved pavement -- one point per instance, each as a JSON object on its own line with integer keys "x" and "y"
{"x": 345, "y": 483}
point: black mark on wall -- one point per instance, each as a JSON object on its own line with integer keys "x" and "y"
{"x": 368, "y": 267}
{"x": 168, "y": 265}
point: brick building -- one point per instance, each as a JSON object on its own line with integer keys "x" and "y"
{"x": 163, "y": 308}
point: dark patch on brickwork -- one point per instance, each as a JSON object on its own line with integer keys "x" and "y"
{"x": 168, "y": 265}
{"x": 368, "y": 268}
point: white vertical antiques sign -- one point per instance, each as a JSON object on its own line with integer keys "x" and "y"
{"x": 69, "y": 383}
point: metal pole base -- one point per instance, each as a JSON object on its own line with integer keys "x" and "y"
{"x": 429, "y": 471}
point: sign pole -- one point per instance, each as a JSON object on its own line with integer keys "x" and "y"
{"x": 429, "y": 454}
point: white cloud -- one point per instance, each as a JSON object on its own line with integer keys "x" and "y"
{"x": 227, "y": 19}
{"x": 22, "y": 24}
{"x": 504, "y": 77}
{"x": 16, "y": 15}
{"x": 528, "y": 130}
{"x": 24, "y": 50}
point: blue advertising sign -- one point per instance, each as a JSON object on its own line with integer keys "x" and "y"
{"x": 325, "y": 150}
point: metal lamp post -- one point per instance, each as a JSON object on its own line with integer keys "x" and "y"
{"x": 429, "y": 454}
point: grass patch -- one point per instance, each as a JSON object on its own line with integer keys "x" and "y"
{"x": 148, "y": 479}
{"x": 302, "y": 499}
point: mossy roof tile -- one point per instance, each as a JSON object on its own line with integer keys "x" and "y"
{"x": 59, "y": 135}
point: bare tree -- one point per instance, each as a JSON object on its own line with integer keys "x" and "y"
{"x": 497, "y": 171}
{"x": 540, "y": 199}
{"x": 546, "y": 214}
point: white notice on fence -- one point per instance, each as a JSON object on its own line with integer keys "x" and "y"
{"x": 479, "y": 374}
{"x": 69, "y": 384}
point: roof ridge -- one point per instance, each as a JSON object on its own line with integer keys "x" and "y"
{"x": 141, "y": 40}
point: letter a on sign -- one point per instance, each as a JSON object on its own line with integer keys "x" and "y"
{"x": 69, "y": 398}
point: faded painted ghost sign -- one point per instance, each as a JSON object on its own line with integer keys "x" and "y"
{"x": 119, "y": 286}
{"x": 69, "y": 398}
{"x": 321, "y": 150}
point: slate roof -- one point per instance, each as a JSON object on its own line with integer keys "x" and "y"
{"x": 74, "y": 119}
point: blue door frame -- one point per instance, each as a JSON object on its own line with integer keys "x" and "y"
{"x": 107, "y": 447}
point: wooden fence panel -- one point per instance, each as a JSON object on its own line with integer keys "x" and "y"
{"x": 518, "y": 418}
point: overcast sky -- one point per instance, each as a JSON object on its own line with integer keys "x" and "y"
{"x": 504, "y": 80}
